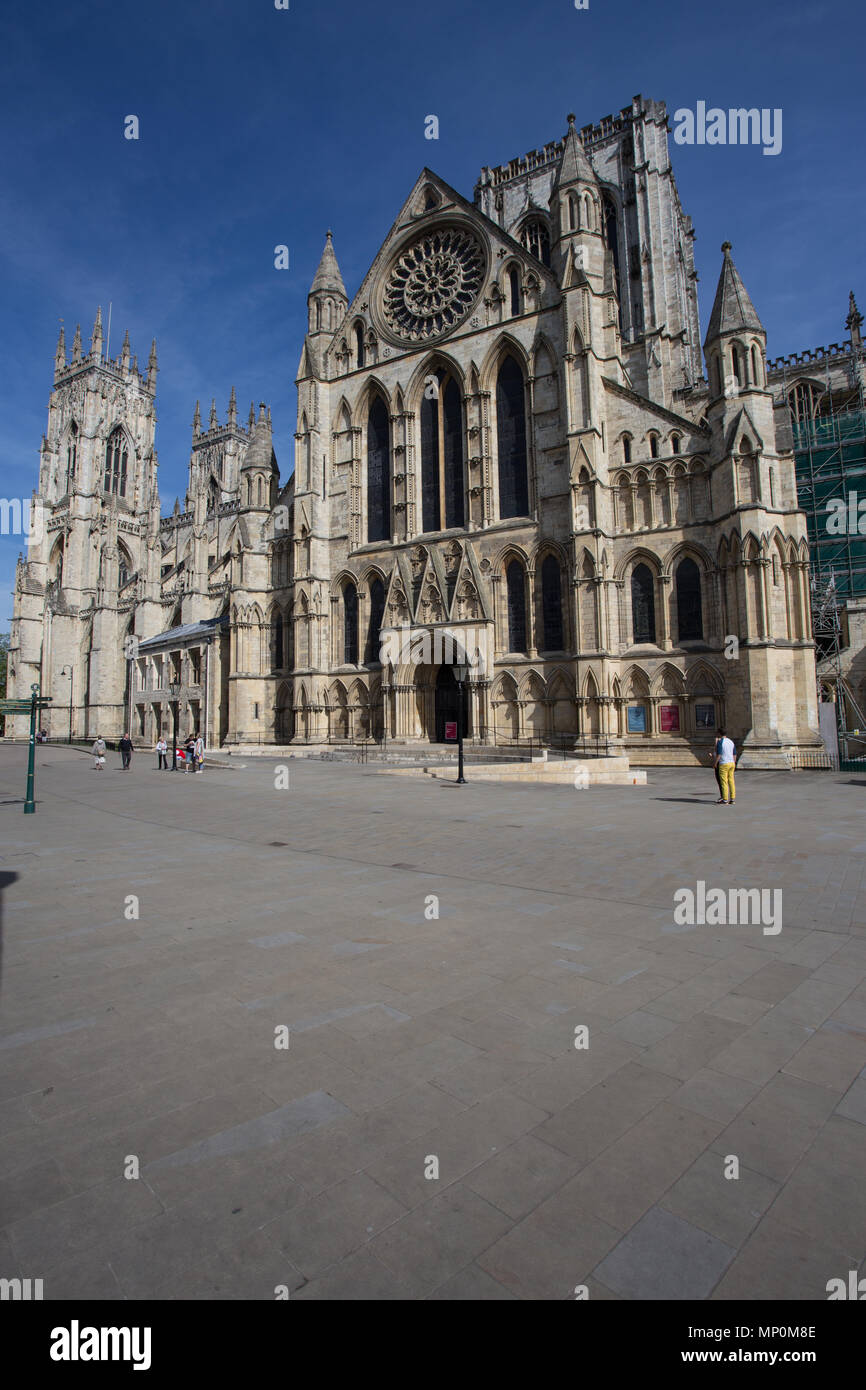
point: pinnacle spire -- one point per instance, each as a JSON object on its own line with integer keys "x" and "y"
{"x": 152, "y": 365}
{"x": 213, "y": 422}
{"x": 196, "y": 421}
{"x": 60, "y": 355}
{"x": 233, "y": 408}
{"x": 328, "y": 276}
{"x": 252, "y": 418}
{"x": 96, "y": 336}
{"x": 854, "y": 323}
{"x": 733, "y": 310}
{"x": 125, "y": 351}
{"x": 76, "y": 344}
{"x": 574, "y": 167}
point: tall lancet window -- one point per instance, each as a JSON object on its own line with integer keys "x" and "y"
{"x": 442, "y": 496}
{"x": 350, "y": 625}
{"x": 378, "y": 472}
{"x": 116, "y": 459}
{"x": 511, "y": 431}
{"x": 551, "y": 604}
{"x": 71, "y": 456}
{"x": 643, "y": 609}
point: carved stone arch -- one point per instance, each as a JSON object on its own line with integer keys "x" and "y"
{"x": 505, "y": 345}
{"x": 697, "y": 552}
{"x": 586, "y": 566}
{"x": 511, "y": 550}
{"x": 636, "y": 683}
{"x": 702, "y": 678}
{"x": 434, "y": 361}
{"x": 667, "y": 680}
{"x": 638, "y": 555}
{"x": 373, "y": 387}
{"x": 532, "y": 686}
{"x": 340, "y": 579}
{"x": 751, "y": 548}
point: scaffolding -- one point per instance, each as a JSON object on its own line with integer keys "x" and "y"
{"x": 828, "y": 629}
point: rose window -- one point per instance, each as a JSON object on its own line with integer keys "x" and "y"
{"x": 434, "y": 284}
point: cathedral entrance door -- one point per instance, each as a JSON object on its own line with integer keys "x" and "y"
{"x": 447, "y": 702}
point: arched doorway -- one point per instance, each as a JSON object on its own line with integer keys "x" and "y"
{"x": 446, "y": 703}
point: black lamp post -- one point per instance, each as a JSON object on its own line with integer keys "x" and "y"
{"x": 461, "y": 671}
{"x": 174, "y": 692}
{"x": 70, "y": 672}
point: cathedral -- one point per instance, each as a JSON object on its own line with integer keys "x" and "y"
{"x": 511, "y": 449}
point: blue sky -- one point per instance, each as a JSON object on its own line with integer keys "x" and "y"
{"x": 261, "y": 127}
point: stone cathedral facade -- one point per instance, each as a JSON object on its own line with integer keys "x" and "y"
{"x": 510, "y": 445}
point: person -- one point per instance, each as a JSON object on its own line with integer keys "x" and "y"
{"x": 162, "y": 750}
{"x": 198, "y": 752}
{"x": 189, "y": 749}
{"x": 725, "y": 761}
{"x": 125, "y": 746}
{"x": 98, "y": 751}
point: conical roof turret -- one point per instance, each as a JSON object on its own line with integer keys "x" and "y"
{"x": 327, "y": 278}
{"x": 733, "y": 310}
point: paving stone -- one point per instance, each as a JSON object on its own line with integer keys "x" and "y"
{"x": 429, "y": 1245}
{"x": 665, "y": 1257}
{"x": 729, "y": 1208}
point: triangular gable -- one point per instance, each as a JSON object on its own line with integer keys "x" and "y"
{"x": 743, "y": 422}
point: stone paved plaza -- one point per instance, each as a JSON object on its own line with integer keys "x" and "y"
{"x": 412, "y": 1038}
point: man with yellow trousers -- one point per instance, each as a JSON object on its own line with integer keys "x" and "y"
{"x": 725, "y": 761}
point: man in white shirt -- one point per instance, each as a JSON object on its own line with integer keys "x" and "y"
{"x": 162, "y": 750}
{"x": 726, "y": 761}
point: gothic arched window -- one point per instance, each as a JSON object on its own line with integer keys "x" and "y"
{"x": 441, "y": 453}
{"x": 277, "y": 641}
{"x": 123, "y": 570}
{"x": 377, "y": 613}
{"x": 536, "y": 238}
{"x": 691, "y": 623}
{"x": 643, "y": 608}
{"x": 515, "y": 585}
{"x": 626, "y": 449}
{"x": 116, "y": 459}
{"x": 610, "y": 235}
{"x": 551, "y": 604}
{"x": 71, "y": 456}
{"x": 511, "y": 431}
{"x": 378, "y": 472}
{"x": 359, "y": 345}
{"x": 514, "y": 291}
{"x": 350, "y": 625}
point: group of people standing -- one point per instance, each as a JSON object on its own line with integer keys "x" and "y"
{"x": 191, "y": 755}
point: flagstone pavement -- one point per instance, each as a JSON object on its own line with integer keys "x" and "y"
{"x": 510, "y": 1072}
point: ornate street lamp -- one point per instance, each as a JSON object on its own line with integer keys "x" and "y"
{"x": 174, "y": 692}
{"x": 70, "y": 672}
{"x": 461, "y": 673}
